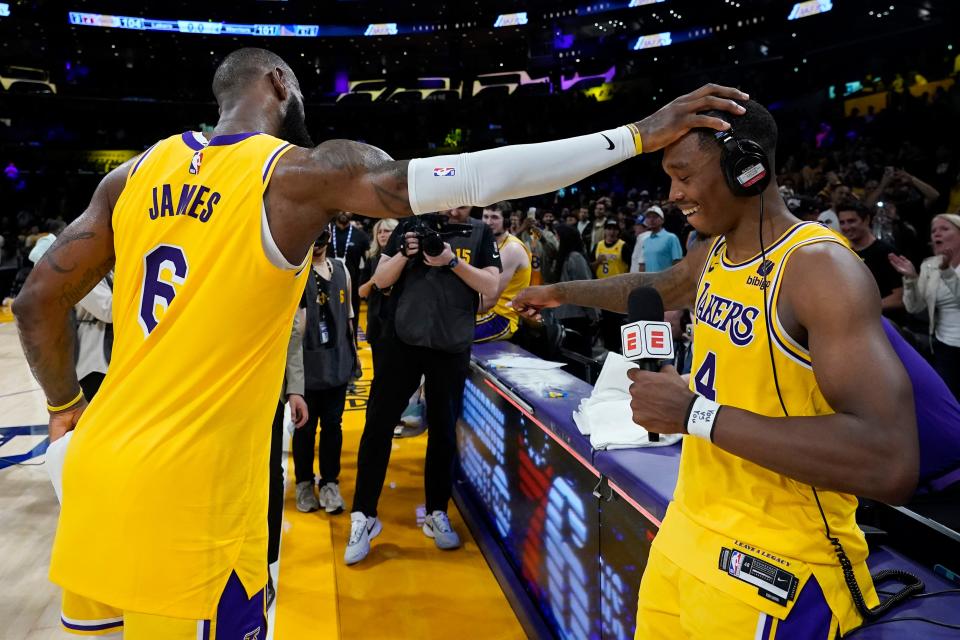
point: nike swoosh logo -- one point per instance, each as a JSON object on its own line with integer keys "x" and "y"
{"x": 610, "y": 142}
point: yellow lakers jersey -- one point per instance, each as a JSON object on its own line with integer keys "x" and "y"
{"x": 519, "y": 281}
{"x": 614, "y": 265}
{"x": 165, "y": 481}
{"x": 536, "y": 264}
{"x": 727, "y": 508}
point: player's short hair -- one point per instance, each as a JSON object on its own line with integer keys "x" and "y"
{"x": 755, "y": 124}
{"x": 242, "y": 66}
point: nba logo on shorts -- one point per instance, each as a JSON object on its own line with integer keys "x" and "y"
{"x": 736, "y": 559}
{"x": 444, "y": 172}
{"x": 195, "y": 162}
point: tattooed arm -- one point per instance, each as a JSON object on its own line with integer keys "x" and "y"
{"x": 677, "y": 286}
{"x": 310, "y": 185}
{"x": 79, "y": 258}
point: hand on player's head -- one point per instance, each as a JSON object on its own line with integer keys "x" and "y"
{"x": 683, "y": 114}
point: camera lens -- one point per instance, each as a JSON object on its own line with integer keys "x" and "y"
{"x": 432, "y": 244}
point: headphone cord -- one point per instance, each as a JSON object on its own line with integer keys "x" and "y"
{"x": 912, "y": 584}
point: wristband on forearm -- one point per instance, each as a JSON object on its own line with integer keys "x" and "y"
{"x": 69, "y": 405}
{"x": 507, "y": 173}
{"x": 701, "y": 417}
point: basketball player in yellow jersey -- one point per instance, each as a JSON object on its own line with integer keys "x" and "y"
{"x": 784, "y": 332}
{"x": 163, "y": 526}
{"x": 608, "y": 259}
{"x": 495, "y": 319}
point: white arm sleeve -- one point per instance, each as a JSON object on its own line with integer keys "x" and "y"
{"x": 484, "y": 177}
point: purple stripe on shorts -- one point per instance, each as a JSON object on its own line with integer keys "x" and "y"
{"x": 810, "y": 618}
{"x": 231, "y": 138}
{"x": 767, "y": 626}
{"x": 273, "y": 159}
{"x": 240, "y": 617}
{"x": 91, "y": 627}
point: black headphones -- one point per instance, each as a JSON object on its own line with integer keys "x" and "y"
{"x": 744, "y": 164}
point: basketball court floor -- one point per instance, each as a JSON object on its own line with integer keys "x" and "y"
{"x": 406, "y": 587}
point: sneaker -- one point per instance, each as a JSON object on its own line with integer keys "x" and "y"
{"x": 407, "y": 431}
{"x": 330, "y": 498}
{"x": 271, "y": 590}
{"x": 362, "y": 531}
{"x": 437, "y": 526}
{"x": 413, "y": 415}
{"x": 306, "y": 499}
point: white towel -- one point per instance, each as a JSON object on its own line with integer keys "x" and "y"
{"x": 606, "y": 416}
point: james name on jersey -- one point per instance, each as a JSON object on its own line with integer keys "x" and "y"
{"x": 195, "y": 201}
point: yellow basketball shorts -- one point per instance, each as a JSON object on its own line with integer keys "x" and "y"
{"x": 238, "y": 618}
{"x": 674, "y": 604}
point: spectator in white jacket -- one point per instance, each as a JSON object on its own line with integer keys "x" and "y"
{"x": 937, "y": 289}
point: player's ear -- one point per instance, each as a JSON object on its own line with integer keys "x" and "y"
{"x": 278, "y": 80}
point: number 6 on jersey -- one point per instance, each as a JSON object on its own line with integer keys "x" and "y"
{"x": 156, "y": 291}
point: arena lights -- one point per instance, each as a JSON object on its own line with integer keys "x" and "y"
{"x": 215, "y": 27}
{"x": 381, "y": 29}
{"x": 603, "y": 7}
{"x": 4, "y": 10}
{"x": 652, "y": 41}
{"x": 511, "y": 19}
{"x": 193, "y": 26}
{"x": 809, "y": 8}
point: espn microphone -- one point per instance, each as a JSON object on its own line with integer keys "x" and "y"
{"x": 646, "y": 338}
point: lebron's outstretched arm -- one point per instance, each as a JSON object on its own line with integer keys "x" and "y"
{"x": 308, "y": 185}
{"x": 79, "y": 258}
{"x": 869, "y": 446}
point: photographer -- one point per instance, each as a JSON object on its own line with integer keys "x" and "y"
{"x": 428, "y": 331}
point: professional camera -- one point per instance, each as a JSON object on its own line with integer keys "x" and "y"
{"x": 432, "y": 228}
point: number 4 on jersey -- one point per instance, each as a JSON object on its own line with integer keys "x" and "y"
{"x": 156, "y": 291}
{"x": 704, "y": 381}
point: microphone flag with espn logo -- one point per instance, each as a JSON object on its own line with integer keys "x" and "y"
{"x": 647, "y": 339}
